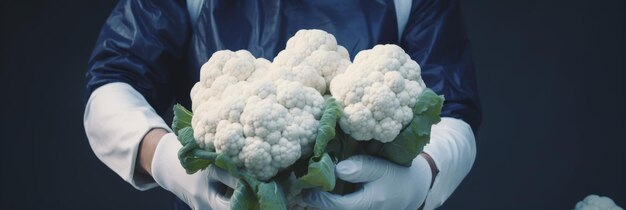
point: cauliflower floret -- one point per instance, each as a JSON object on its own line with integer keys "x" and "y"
{"x": 257, "y": 158}
{"x": 293, "y": 95}
{"x": 285, "y": 153}
{"x": 311, "y": 57}
{"x": 204, "y": 123}
{"x": 239, "y": 67}
{"x": 358, "y": 121}
{"x": 328, "y": 63}
{"x": 378, "y": 92}
{"x": 262, "y": 89}
{"x": 229, "y": 140}
{"x": 261, "y": 66}
{"x": 310, "y": 40}
{"x": 220, "y": 84}
{"x": 224, "y": 69}
{"x": 302, "y": 129}
{"x": 289, "y": 58}
{"x": 594, "y": 202}
{"x": 265, "y": 119}
{"x": 306, "y": 75}
{"x": 213, "y": 68}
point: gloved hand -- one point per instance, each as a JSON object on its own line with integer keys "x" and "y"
{"x": 386, "y": 185}
{"x": 202, "y": 190}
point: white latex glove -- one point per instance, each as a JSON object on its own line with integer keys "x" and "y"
{"x": 386, "y": 185}
{"x": 202, "y": 190}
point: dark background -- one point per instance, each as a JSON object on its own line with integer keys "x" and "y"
{"x": 551, "y": 76}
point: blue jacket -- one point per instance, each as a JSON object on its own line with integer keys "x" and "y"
{"x": 156, "y": 47}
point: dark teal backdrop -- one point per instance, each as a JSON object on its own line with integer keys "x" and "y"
{"x": 552, "y": 77}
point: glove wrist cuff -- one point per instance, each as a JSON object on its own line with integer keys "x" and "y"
{"x": 433, "y": 167}
{"x": 165, "y": 159}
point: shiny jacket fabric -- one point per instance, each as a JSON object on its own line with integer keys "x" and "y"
{"x": 153, "y": 46}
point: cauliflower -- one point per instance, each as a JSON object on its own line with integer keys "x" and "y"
{"x": 263, "y": 123}
{"x": 231, "y": 67}
{"x": 311, "y": 57}
{"x": 378, "y": 92}
{"x": 594, "y": 202}
{"x": 256, "y": 118}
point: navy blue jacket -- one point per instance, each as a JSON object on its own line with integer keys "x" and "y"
{"x": 153, "y": 46}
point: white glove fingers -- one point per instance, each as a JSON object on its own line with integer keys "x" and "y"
{"x": 422, "y": 181}
{"x": 361, "y": 168}
{"x": 217, "y": 200}
{"x": 222, "y": 176}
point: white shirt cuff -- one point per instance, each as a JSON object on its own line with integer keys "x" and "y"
{"x": 116, "y": 119}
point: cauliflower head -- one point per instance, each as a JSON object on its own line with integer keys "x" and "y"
{"x": 378, "y": 91}
{"x": 311, "y": 57}
{"x": 595, "y": 202}
{"x": 263, "y": 123}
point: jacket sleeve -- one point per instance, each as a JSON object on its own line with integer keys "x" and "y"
{"x": 130, "y": 80}
{"x": 435, "y": 37}
{"x": 140, "y": 44}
